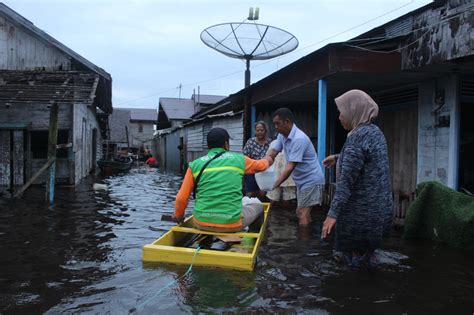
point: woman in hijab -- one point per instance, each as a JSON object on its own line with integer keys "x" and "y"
{"x": 361, "y": 209}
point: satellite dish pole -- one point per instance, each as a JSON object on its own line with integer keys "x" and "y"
{"x": 247, "y": 72}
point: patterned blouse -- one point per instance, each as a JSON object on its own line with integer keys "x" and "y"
{"x": 254, "y": 150}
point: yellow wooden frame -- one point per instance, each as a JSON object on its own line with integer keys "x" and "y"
{"x": 163, "y": 249}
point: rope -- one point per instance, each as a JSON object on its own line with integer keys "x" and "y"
{"x": 134, "y": 309}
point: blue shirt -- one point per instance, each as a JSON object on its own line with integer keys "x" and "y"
{"x": 299, "y": 149}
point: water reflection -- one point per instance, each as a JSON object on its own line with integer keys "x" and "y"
{"x": 85, "y": 256}
{"x": 49, "y": 253}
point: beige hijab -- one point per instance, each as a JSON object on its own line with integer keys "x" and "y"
{"x": 358, "y": 107}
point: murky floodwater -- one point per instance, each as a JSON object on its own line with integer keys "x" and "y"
{"x": 84, "y": 256}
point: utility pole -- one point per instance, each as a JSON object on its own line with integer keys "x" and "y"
{"x": 179, "y": 87}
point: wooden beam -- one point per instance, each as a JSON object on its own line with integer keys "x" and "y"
{"x": 197, "y": 231}
{"x": 94, "y": 88}
{"x": 63, "y": 145}
{"x": 128, "y": 140}
{"x": 52, "y": 141}
{"x": 34, "y": 177}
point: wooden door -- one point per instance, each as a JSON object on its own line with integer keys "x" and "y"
{"x": 400, "y": 127}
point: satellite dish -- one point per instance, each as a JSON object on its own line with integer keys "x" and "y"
{"x": 249, "y": 41}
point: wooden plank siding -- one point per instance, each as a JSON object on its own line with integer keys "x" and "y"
{"x": 18, "y": 157}
{"x": 5, "y": 153}
{"x": 234, "y": 127}
{"x": 195, "y": 138}
{"x": 400, "y": 127}
{"x": 21, "y": 51}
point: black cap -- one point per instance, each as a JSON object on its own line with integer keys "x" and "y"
{"x": 217, "y": 137}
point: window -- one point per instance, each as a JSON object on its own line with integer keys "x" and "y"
{"x": 39, "y": 144}
{"x": 140, "y": 128}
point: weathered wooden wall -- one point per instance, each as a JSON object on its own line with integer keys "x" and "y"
{"x": 36, "y": 114}
{"x": 21, "y": 51}
{"x": 37, "y": 117}
{"x": 159, "y": 151}
{"x": 306, "y": 119}
{"x": 18, "y": 157}
{"x": 84, "y": 123}
{"x": 196, "y": 135}
{"x": 172, "y": 152}
{"x": 444, "y": 33}
{"x": 5, "y": 156}
{"x": 400, "y": 127}
{"x": 234, "y": 127}
{"x": 137, "y": 139}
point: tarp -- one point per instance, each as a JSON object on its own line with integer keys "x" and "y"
{"x": 441, "y": 214}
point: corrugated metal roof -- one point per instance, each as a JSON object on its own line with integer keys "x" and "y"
{"x": 176, "y": 108}
{"x": 207, "y": 99}
{"x": 117, "y": 122}
{"x": 143, "y": 114}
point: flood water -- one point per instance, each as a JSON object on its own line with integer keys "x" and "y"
{"x": 84, "y": 256}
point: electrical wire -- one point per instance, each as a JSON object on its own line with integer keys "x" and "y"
{"x": 292, "y": 52}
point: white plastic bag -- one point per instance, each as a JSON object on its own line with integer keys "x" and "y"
{"x": 250, "y": 200}
{"x": 266, "y": 179}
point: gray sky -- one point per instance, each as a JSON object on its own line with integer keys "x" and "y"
{"x": 151, "y": 47}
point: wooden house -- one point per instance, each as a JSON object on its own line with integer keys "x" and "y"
{"x": 185, "y": 138}
{"x": 132, "y": 128}
{"x": 175, "y": 147}
{"x": 38, "y": 73}
{"x": 174, "y": 112}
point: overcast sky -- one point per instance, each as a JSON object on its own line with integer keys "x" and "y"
{"x": 151, "y": 47}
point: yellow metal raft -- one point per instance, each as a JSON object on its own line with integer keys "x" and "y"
{"x": 241, "y": 255}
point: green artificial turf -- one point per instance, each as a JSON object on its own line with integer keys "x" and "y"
{"x": 442, "y": 214}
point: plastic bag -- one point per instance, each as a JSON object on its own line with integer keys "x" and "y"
{"x": 266, "y": 179}
{"x": 250, "y": 200}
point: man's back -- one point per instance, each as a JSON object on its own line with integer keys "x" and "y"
{"x": 219, "y": 190}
